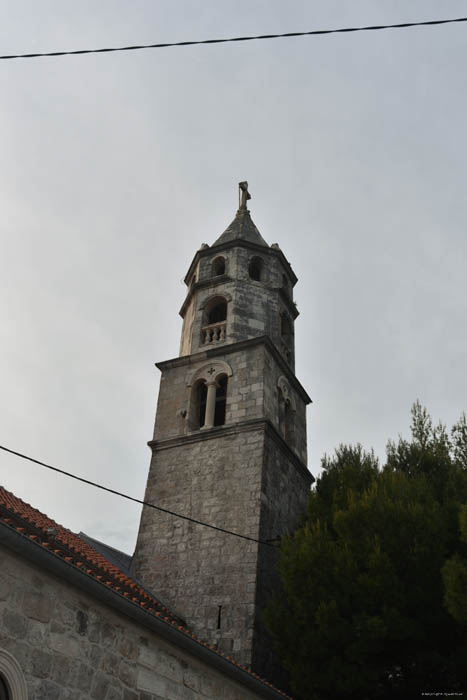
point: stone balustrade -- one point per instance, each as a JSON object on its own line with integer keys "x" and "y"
{"x": 214, "y": 333}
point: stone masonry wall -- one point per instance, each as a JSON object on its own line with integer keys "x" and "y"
{"x": 231, "y": 477}
{"x": 284, "y": 494}
{"x": 205, "y": 576}
{"x": 72, "y": 647}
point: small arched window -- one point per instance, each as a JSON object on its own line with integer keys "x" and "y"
{"x": 218, "y": 266}
{"x": 285, "y": 285}
{"x": 218, "y": 312}
{"x": 214, "y": 326}
{"x": 255, "y": 269}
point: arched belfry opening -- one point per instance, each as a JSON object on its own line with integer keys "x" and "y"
{"x": 214, "y": 326}
{"x": 208, "y": 399}
{"x": 255, "y": 269}
{"x": 218, "y": 266}
{"x": 217, "y": 311}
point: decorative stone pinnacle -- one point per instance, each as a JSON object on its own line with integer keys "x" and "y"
{"x": 243, "y": 196}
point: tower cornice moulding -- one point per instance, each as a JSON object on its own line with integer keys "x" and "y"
{"x": 233, "y": 429}
{"x": 235, "y": 347}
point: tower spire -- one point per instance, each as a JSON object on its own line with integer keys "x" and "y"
{"x": 242, "y": 227}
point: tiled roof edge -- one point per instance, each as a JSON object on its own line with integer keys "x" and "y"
{"x": 115, "y": 556}
{"x": 26, "y": 544}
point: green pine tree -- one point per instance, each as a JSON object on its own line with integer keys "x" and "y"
{"x": 375, "y": 580}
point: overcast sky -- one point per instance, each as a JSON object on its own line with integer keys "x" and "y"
{"x": 115, "y": 168}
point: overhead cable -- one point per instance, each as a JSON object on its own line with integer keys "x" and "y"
{"x": 137, "y": 500}
{"x": 314, "y": 32}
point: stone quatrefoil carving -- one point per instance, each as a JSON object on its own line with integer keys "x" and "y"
{"x": 287, "y": 394}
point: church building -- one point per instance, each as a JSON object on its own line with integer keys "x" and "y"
{"x": 182, "y": 618}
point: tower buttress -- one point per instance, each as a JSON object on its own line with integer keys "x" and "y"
{"x": 229, "y": 444}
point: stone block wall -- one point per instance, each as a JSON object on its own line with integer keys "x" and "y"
{"x": 240, "y": 476}
{"x": 244, "y": 480}
{"x": 72, "y": 647}
{"x": 207, "y": 577}
{"x": 285, "y": 488}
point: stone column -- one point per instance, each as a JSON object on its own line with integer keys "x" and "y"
{"x": 210, "y": 404}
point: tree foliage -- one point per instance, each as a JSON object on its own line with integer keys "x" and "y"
{"x": 375, "y": 580}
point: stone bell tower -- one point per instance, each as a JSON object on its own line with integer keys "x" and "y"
{"x": 229, "y": 445}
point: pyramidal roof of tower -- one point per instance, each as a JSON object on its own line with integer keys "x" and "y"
{"x": 241, "y": 228}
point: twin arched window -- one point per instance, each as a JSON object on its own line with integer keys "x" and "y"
{"x": 209, "y": 396}
{"x": 255, "y": 267}
{"x": 209, "y": 414}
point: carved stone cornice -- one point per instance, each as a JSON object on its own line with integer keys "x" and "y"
{"x": 227, "y": 430}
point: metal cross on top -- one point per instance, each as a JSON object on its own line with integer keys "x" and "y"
{"x": 243, "y": 195}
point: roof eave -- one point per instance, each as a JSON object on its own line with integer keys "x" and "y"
{"x": 22, "y": 545}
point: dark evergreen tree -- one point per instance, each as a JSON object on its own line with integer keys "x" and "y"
{"x": 375, "y": 579}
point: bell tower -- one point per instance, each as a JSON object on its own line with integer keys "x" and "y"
{"x": 229, "y": 444}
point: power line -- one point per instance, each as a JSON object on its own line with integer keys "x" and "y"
{"x": 315, "y": 32}
{"x": 136, "y": 500}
